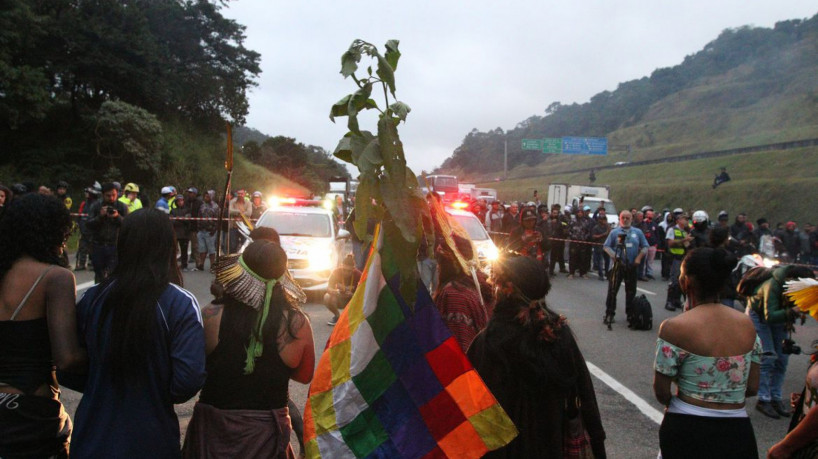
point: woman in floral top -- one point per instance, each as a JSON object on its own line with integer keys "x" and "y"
{"x": 712, "y": 354}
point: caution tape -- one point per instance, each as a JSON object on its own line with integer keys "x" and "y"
{"x": 205, "y": 219}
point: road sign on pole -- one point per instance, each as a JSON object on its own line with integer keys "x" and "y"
{"x": 552, "y": 145}
{"x": 585, "y": 145}
{"x": 532, "y": 144}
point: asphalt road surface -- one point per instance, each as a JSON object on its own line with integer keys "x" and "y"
{"x": 621, "y": 361}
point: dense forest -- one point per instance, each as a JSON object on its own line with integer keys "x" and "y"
{"x": 134, "y": 90}
{"x": 771, "y": 60}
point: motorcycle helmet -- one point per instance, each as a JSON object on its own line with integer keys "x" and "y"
{"x": 700, "y": 220}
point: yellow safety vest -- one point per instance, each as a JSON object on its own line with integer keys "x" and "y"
{"x": 678, "y": 234}
{"x": 134, "y": 205}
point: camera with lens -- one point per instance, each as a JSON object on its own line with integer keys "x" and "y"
{"x": 110, "y": 211}
{"x": 788, "y": 346}
{"x": 620, "y": 239}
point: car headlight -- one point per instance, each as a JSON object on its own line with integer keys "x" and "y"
{"x": 320, "y": 260}
{"x": 491, "y": 253}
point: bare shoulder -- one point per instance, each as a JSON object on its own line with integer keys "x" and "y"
{"x": 60, "y": 281}
{"x": 671, "y": 329}
{"x": 61, "y": 277}
{"x": 300, "y": 322}
{"x": 212, "y": 311}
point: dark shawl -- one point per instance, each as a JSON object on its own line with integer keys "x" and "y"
{"x": 532, "y": 379}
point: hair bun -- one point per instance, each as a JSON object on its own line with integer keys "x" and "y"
{"x": 723, "y": 261}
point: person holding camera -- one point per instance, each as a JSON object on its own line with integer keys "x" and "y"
{"x": 627, "y": 246}
{"x": 104, "y": 221}
{"x": 341, "y": 285}
{"x": 773, "y": 315}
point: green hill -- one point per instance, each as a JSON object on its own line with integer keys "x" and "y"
{"x": 776, "y": 185}
{"x": 750, "y": 86}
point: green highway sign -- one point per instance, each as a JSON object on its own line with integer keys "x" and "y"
{"x": 547, "y": 145}
{"x": 551, "y": 145}
{"x": 533, "y": 144}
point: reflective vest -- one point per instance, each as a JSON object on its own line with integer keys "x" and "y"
{"x": 136, "y": 204}
{"x": 678, "y": 235}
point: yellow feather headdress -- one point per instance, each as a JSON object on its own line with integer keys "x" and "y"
{"x": 804, "y": 293}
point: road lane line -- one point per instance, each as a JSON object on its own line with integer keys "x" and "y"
{"x": 84, "y": 286}
{"x": 645, "y": 291}
{"x": 643, "y": 406}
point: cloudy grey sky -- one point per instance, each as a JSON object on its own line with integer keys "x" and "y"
{"x": 472, "y": 64}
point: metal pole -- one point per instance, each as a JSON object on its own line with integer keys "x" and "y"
{"x": 505, "y": 158}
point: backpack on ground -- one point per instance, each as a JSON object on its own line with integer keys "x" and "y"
{"x": 641, "y": 314}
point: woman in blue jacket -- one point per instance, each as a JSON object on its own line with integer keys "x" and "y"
{"x": 146, "y": 348}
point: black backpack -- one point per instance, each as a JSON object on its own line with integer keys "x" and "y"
{"x": 641, "y": 314}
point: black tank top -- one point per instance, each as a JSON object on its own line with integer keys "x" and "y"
{"x": 227, "y": 387}
{"x": 25, "y": 350}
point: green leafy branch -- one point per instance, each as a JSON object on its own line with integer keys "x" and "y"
{"x": 384, "y": 176}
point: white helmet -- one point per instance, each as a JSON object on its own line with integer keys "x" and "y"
{"x": 700, "y": 216}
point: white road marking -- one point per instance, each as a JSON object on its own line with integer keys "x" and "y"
{"x": 645, "y": 291}
{"x": 643, "y": 406}
{"x": 84, "y": 286}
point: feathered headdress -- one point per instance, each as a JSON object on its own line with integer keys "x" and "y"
{"x": 804, "y": 293}
{"x": 449, "y": 229}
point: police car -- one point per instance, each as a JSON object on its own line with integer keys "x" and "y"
{"x": 487, "y": 252}
{"x": 311, "y": 238}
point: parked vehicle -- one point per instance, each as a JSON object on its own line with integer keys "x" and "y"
{"x": 444, "y": 185}
{"x": 311, "y": 238}
{"x": 582, "y": 195}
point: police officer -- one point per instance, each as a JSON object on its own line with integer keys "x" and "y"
{"x": 678, "y": 242}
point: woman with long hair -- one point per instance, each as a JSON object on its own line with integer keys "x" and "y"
{"x": 528, "y": 357}
{"x": 38, "y": 330}
{"x": 145, "y": 345}
{"x": 464, "y": 309}
{"x": 711, "y": 353}
{"x": 257, "y": 341}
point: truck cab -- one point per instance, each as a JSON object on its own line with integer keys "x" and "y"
{"x": 445, "y": 186}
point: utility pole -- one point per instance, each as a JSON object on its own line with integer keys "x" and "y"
{"x": 505, "y": 158}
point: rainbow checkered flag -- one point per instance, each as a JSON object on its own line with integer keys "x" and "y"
{"x": 395, "y": 383}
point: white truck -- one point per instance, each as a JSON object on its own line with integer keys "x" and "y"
{"x": 576, "y": 195}
{"x": 475, "y": 193}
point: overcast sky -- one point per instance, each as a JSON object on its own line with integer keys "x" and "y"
{"x": 471, "y": 64}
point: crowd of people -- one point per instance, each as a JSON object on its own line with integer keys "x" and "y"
{"x": 137, "y": 342}
{"x": 99, "y": 215}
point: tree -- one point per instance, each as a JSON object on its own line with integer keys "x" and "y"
{"x": 24, "y": 85}
{"x": 380, "y": 159}
{"x": 129, "y": 137}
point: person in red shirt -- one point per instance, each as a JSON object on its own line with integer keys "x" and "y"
{"x": 457, "y": 299}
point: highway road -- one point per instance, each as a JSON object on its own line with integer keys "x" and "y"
{"x": 621, "y": 361}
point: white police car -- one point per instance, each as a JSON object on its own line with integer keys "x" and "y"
{"x": 487, "y": 252}
{"x": 311, "y": 238}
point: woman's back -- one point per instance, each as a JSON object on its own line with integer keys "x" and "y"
{"x": 227, "y": 386}
{"x": 26, "y": 290}
{"x": 712, "y": 330}
{"x": 136, "y": 418}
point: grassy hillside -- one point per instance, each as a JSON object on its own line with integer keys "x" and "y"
{"x": 189, "y": 158}
{"x": 200, "y": 160}
{"x": 777, "y": 185}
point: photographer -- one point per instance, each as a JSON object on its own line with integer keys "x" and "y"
{"x": 104, "y": 220}
{"x": 773, "y": 315}
{"x": 341, "y": 285}
{"x": 627, "y": 246}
